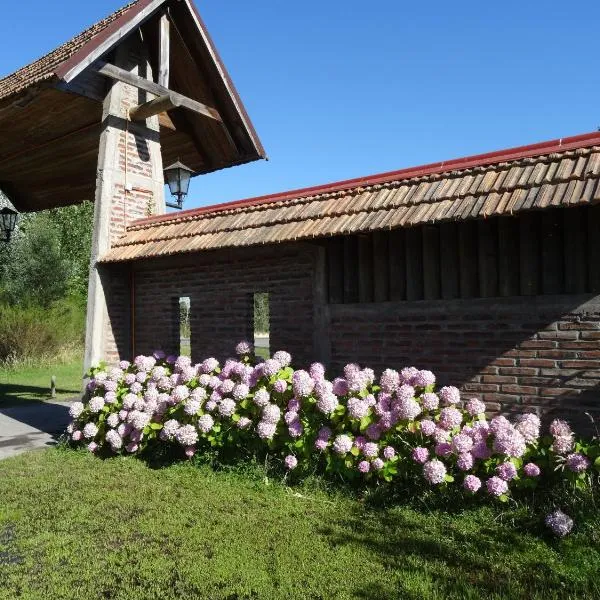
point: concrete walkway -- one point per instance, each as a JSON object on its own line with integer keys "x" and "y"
{"x": 31, "y": 425}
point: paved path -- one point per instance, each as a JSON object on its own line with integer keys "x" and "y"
{"x": 32, "y": 425}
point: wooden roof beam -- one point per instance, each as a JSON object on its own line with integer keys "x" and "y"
{"x": 118, "y": 74}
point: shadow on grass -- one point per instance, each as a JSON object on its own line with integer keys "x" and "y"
{"x": 16, "y": 394}
{"x": 44, "y": 416}
{"x": 465, "y": 559}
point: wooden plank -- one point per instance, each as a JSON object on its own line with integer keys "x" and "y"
{"x": 449, "y": 260}
{"x": 162, "y": 104}
{"x": 335, "y": 269}
{"x": 508, "y": 257}
{"x": 593, "y": 262}
{"x": 530, "y": 254}
{"x": 164, "y": 58}
{"x": 414, "y": 263}
{"x": 397, "y": 264}
{"x": 467, "y": 255}
{"x": 365, "y": 268}
{"x": 165, "y": 120}
{"x": 381, "y": 271}
{"x": 118, "y": 74}
{"x": 321, "y": 323}
{"x": 487, "y": 240}
{"x": 575, "y": 251}
{"x": 552, "y": 252}
{"x": 432, "y": 286}
{"x": 350, "y": 269}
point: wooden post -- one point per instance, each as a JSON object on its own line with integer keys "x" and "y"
{"x": 414, "y": 264}
{"x": 431, "y": 263}
{"x": 488, "y": 257}
{"x": 397, "y": 255}
{"x": 575, "y": 254}
{"x": 467, "y": 241}
{"x": 381, "y": 259}
{"x": 552, "y": 252}
{"x": 350, "y": 269}
{"x": 593, "y": 219}
{"x": 365, "y": 268}
{"x": 335, "y": 269}
{"x": 449, "y": 260}
{"x": 529, "y": 245}
{"x": 53, "y": 386}
{"x": 508, "y": 256}
{"x": 321, "y": 342}
{"x": 164, "y": 59}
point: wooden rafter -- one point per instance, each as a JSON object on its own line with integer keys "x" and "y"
{"x": 164, "y": 59}
{"x": 118, "y": 74}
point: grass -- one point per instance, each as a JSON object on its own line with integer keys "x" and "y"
{"x": 75, "y": 526}
{"x": 26, "y": 383}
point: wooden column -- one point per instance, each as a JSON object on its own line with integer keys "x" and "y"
{"x": 397, "y": 253}
{"x": 414, "y": 264}
{"x": 449, "y": 261}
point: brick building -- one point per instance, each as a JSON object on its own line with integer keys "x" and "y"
{"x": 482, "y": 269}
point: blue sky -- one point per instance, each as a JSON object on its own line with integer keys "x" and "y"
{"x": 342, "y": 88}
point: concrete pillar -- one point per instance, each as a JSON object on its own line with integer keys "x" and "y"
{"x": 129, "y": 186}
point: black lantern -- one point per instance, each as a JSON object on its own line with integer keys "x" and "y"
{"x": 8, "y": 222}
{"x": 178, "y": 176}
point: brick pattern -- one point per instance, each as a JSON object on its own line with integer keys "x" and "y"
{"x": 535, "y": 353}
{"x": 220, "y": 286}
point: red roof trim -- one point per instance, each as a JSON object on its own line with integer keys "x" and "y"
{"x": 510, "y": 154}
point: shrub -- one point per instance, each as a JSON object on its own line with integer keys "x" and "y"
{"x": 34, "y": 333}
{"x": 396, "y": 430}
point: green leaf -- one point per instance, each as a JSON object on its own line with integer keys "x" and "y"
{"x": 156, "y": 426}
{"x": 355, "y": 451}
{"x": 503, "y": 498}
{"x": 448, "y": 479}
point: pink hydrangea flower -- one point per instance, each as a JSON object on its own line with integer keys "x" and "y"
{"x": 357, "y": 408}
{"x": 420, "y": 455}
{"x": 243, "y": 423}
{"x": 244, "y": 347}
{"x": 450, "y": 395}
{"x": 472, "y": 483}
{"x": 364, "y": 466}
{"x": 531, "y": 470}
{"x": 462, "y": 443}
{"x": 370, "y": 449}
{"x": 428, "y": 427}
{"x": 496, "y": 486}
{"x": 291, "y": 462}
{"x": 389, "y": 381}
{"x": 377, "y": 464}
{"x": 342, "y": 444}
{"x": 475, "y": 407}
{"x": 389, "y": 452}
{"x": 266, "y": 430}
{"x": 506, "y": 471}
{"x": 430, "y": 401}
{"x": 450, "y": 417}
{"x": 423, "y": 379}
{"x": 577, "y": 462}
{"x": 559, "y": 523}
{"x": 560, "y": 428}
{"x": 434, "y": 471}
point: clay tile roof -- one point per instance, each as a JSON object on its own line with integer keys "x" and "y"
{"x": 562, "y": 172}
{"x": 45, "y": 68}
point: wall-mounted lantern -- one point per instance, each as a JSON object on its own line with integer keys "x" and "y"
{"x": 177, "y": 177}
{"x": 8, "y": 222}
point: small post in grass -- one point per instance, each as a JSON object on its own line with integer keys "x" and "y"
{"x": 53, "y": 386}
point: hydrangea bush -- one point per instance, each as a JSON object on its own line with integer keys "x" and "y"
{"x": 397, "y": 426}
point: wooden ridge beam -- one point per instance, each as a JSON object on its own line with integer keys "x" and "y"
{"x": 118, "y": 74}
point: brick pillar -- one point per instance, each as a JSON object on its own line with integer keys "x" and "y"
{"x": 129, "y": 186}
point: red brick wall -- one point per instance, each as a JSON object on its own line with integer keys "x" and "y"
{"x": 220, "y": 285}
{"x": 540, "y": 352}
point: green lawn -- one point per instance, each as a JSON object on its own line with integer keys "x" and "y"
{"x": 75, "y": 526}
{"x": 23, "y": 384}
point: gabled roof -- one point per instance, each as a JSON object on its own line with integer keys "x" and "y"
{"x": 561, "y": 172}
{"x": 51, "y": 110}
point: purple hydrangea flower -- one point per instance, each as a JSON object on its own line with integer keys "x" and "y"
{"x": 472, "y": 483}
{"x": 76, "y": 409}
{"x": 290, "y": 461}
{"x": 373, "y": 431}
{"x": 226, "y": 407}
{"x": 187, "y": 435}
{"x": 407, "y": 409}
{"x": 340, "y": 386}
{"x": 389, "y": 381}
{"x": 407, "y": 374}
{"x": 205, "y": 423}
{"x": 240, "y": 391}
{"x": 114, "y": 439}
{"x": 531, "y": 470}
{"x": 265, "y": 430}
{"x": 462, "y": 443}
{"x": 475, "y": 407}
{"x": 430, "y": 401}
{"x": 324, "y": 433}
{"x": 327, "y": 403}
{"x": 364, "y": 466}
{"x": 559, "y": 428}
{"x": 559, "y": 523}
{"x": 450, "y": 417}
{"x": 243, "y": 423}
{"x": 577, "y": 462}
{"x": 428, "y": 427}
{"x": 481, "y": 451}
{"x": 496, "y": 486}
{"x": 423, "y": 379}
{"x": 389, "y": 452}
{"x": 528, "y": 425}
{"x": 244, "y": 347}
{"x": 434, "y": 471}
{"x": 443, "y": 449}
{"x": 261, "y": 397}
{"x": 90, "y": 430}
{"x": 271, "y": 367}
{"x": 420, "y": 455}
{"x": 295, "y": 429}
{"x": 321, "y": 444}
{"x": 209, "y": 365}
{"x": 283, "y": 358}
{"x": 370, "y": 449}
{"x": 357, "y": 408}
{"x": 191, "y": 406}
{"x": 506, "y": 471}
{"x": 465, "y": 461}
{"x": 302, "y": 384}
{"x": 92, "y": 446}
{"x": 113, "y": 420}
{"x": 510, "y": 443}
{"x": 377, "y": 464}
{"x": 450, "y": 395}
{"x": 562, "y": 444}
{"x": 342, "y": 444}
{"x": 280, "y": 386}
{"x": 271, "y": 413}
{"x": 317, "y": 371}
{"x": 76, "y": 435}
